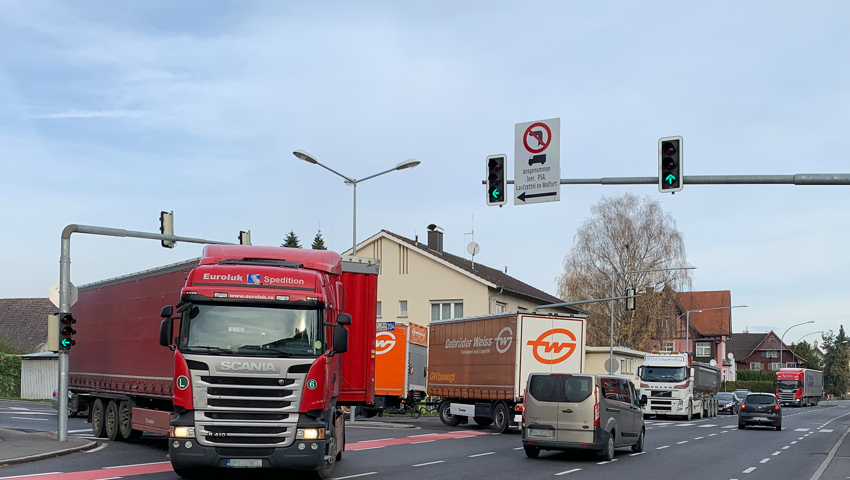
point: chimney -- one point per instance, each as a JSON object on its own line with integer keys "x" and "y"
{"x": 435, "y": 238}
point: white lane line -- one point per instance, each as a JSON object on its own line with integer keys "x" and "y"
{"x": 377, "y": 440}
{"x": 794, "y": 442}
{"x": 368, "y": 448}
{"x": 519, "y": 448}
{"x": 729, "y": 426}
{"x": 776, "y": 453}
{"x": 355, "y": 476}
{"x": 749, "y": 470}
{"x": 18, "y": 408}
{"x": 30, "y": 475}
{"x": 698, "y": 438}
{"x": 685, "y": 425}
{"x": 682, "y": 442}
{"x": 826, "y": 431}
{"x": 80, "y": 431}
{"x": 480, "y": 454}
{"x": 786, "y": 447}
{"x": 800, "y": 438}
{"x": 801, "y": 430}
{"x": 429, "y": 463}
{"x": 98, "y": 448}
{"x": 609, "y": 461}
{"x": 423, "y": 441}
{"x": 829, "y": 456}
{"x": 138, "y": 465}
{"x": 764, "y": 460}
{"x": 568, "y": 471}
{"x": 421, "y": 435}
{"x": 30, "y": 418}
{"x": 662, "y": 448}
{"x": 636, "y": 454}
{"x": 706, "y": 426}
{"x": 712, "y": 434}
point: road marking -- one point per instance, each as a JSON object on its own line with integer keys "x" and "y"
{"x": 80, "y": 431}
{"x": 776, "y": 453}
{"x": 102, "y": 474}
{"x": 682, "y": 442}
{"x": 30, "y": 475}
{"x": 636, "y": 454}
{"x": 786, "y": 447}
{"x": 749, "y": 470}
{"x": 801, "y": 438}
{"x": 519, "y": 448}
{"x": 698, "y": 438}
{"x": 138, "y": 465}
{"x": 712, "y": 434}
{"x": 764, "y": 460}
{"x": 706, "y": 426}
{"x": 28, "y": 418}
{"x": 429, "y": 463}
{"x": 480, "y": 454}
{"x": 608, "y": 461}
{"x": 569, "y": 471}
{"x": 99, "y": 449}
{"x": 18, "y": 408}
{"x": 829, "y": 456}
{"x": 370, "y": 444}
{"x": 801, "y": 430}
{"x": 423, "y": 441}
{"x": 662, "y": 448}
{"x": 794, "y": 442}
{"x": 365, "y": 448}
{"x": 355, "y": 476}
{"x": 729, "y": 426}
{"x": 826, "y": 431}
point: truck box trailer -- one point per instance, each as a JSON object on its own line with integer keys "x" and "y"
{"x": 673, "y": 384}
{"x": 479, "y": 366}
{"x": 799, "y": 386}
{"x": 400, "y": 365}
{"x": 269, "y": 343}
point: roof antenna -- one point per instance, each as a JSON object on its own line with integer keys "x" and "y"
{"x": 472, "y": 247}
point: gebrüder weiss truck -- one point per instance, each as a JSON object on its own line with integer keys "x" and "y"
{"x": 401, "y": 351}
{"x": 479, "y": 366}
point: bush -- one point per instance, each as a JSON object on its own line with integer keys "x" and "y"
{"x": 761, "y": 386}
{"x": 10, "y": 376}
{"x": 755, "y": 375}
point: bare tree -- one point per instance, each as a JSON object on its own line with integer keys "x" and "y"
{"x": 626, "y": 234}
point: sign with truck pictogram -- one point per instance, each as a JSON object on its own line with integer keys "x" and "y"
{"x": 537, "y": 162}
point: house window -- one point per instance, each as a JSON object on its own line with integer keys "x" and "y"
{"x": 667, "y": 346}
{"x": 501, "y": 307}
{"x": 378, "y": 309}
{"x": 755, "y": 366}
{"x": 775, "y": 366}
{"x": 442, "y": 310}
{"x": 771, "y": 354}
{"x": 402, "y": 308}
{"x": 790, "y": 365}
{"x": 703, "y": 349}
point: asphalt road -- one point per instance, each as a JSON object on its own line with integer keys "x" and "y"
{"x": 701, "y": 449}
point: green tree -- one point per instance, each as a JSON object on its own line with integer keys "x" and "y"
{"x": 318, "y": 242}
{"x": 291, "y": 240}
{"x": 836, "y": 371}
{"x": 805, "y": 350}
{"x": 9, "y": 347}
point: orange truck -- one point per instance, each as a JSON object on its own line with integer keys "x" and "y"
{"x": 401, "y": 353}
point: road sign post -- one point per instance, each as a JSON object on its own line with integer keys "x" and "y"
{"x": 537, "y": 162}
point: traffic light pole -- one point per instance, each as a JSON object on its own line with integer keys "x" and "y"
{"x": 797, "y": 179}
{"x": 65, "y": 296}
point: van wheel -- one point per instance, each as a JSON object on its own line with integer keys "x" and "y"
{"x": 638, "y": 447}
{"x": 531, "y": 452}
{"x": 446, "y": 414}
{"x": 98, "y": 412}
{"x": 500, "y": 418}
{"x": 483, "y": 421}
{"x": 607, "y": 453}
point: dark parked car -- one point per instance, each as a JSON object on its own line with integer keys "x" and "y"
{"x": 741, "y": 394}
{"x": 727, "y": 402}
{"x": 760, "y": 409}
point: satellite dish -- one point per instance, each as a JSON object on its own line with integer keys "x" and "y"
{"x": 473, "y": 248}
{"x": 713, "y": 362}
{"x": 730, "y": 356}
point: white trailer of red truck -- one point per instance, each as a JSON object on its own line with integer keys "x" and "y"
{"x": 673, "y": 384}
{"x": 799, "y": 386}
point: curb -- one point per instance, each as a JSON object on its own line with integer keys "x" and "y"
{"x": 41, "y": 456}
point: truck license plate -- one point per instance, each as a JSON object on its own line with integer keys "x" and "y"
{"x": 244, "y": 462}
{"x": 541, "y": 433}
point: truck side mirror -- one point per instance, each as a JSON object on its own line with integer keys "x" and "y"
{"x": 167, "y": 311}
{"x": 340, "y": 339}
{"x": 692, "y": 373}
{"x": 343, "y": 319}
{"x": 165, "y": 329}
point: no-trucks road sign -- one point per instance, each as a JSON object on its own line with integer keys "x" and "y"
{"x": 537, "y": 162}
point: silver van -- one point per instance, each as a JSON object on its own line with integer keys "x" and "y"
{"x": 581, "y": 411}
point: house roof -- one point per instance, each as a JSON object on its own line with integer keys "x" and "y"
{"x": 482, "y": 273}
{"x": 742, "y": 345}
{"x": 709, "y": 322}
{"x": 24, "y": 320}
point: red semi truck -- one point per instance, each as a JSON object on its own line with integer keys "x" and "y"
{"x": 799, "y": 386}
{"x": 248, "y": 371}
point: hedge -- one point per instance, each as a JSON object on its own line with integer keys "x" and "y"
{"x": 10, "y": 376}
{"x": 762, "y": 386}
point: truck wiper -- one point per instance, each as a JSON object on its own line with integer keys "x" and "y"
{"x": 213, "y": 349}
{"x": 260, "y": 348}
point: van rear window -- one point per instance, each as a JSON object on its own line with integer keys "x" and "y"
{"x": 560, "y": 388}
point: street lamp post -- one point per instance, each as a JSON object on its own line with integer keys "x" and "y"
{"x": 688, "y": 321}
{"x": 409, "y": 163}
{"x": 782, "y": 339}
{"x": 613, "y": 277}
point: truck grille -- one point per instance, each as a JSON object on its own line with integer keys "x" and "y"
{"x": 787, "y": 397}
{"x": 661, "y": 393}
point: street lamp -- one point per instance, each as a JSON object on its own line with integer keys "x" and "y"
{"x": 409, "y": 163}
{"x": 782, "y": 339}
{"x": 613, "y": 276}
{"x": 688, "y": 321}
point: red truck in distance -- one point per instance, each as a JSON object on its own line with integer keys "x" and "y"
{"x": 799, "y": 386}
{"x": 251, "y": 366}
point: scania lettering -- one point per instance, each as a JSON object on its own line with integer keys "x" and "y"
{"x": 674, "y": 385}
{"x": 250, "y": 368}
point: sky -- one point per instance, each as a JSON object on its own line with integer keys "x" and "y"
{"x": 111, "y": 112}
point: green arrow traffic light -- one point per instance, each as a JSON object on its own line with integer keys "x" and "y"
{"x": 670, "y": 179}
{"x": 496, "y": 193}
{"x": 66, "y": 342}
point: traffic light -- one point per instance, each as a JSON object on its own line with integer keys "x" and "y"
{"x": 630, "y": 301}
{"x": 245, "y": 237}
{"x": 66, "y": 331}
{"x": 496, "y": 182}
{"x": 166, "y": 227}
{"x": 670, "y": 171}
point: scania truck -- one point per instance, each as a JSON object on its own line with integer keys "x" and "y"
{"x": 799, "y": 386}
{"x": 248, "y": 370}
{"x": 673, "y": 384}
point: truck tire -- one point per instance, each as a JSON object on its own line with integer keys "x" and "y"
{"x": 125, "y": 421}
{"x": 690, "y": 414}
{"x": 327, "y": 470}
{"x": 110, "y": 422}
{"x": 501, "y": 422}
{"x": 483, "y": 421}
{"x": 446, "y": 415}
{"x": 98, "y": 413}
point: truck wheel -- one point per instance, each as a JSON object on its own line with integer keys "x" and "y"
{"x": 500, "y": 418}
{"x": 125, "y": 421}
{"x": 446, "y": 414}
{"x": 111, "y": 422}
{"x": 97, "y": 415}
{"x": 326, "y": 470}
{"x": 690, "y": 414}
{"x": 483, "y": 421}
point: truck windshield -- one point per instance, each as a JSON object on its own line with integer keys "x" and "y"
{"x": 250, "y": 331}
{"x": 663, "y": 374}
{"x": 788, "y": 384}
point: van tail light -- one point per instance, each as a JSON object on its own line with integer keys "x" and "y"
{"x": 521, "y": 408}
{"x": 776, "y": 407}
{"x": 596, "y": 407}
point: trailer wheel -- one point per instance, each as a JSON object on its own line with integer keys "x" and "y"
{"x": 446, "y": 415}
{"x": 113, "y": 431}
{"x": 125, "y": 421}
{"x": 97, "y": 415}
{"x": 500, "y": 418}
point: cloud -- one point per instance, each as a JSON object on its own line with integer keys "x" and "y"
{"x": 92, "y": 114}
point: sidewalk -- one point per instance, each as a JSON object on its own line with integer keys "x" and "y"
{"x": 20, "y": 447}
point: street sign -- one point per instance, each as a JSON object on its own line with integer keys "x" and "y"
{"x": 537, "y": 162}
{"x": 53, "y": 295}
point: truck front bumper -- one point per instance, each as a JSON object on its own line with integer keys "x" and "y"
{"x": 187, "y": 453}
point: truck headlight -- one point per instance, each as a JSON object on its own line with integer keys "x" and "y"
{"x": 181, "y": 432}
{"x": 310, "y": 434}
